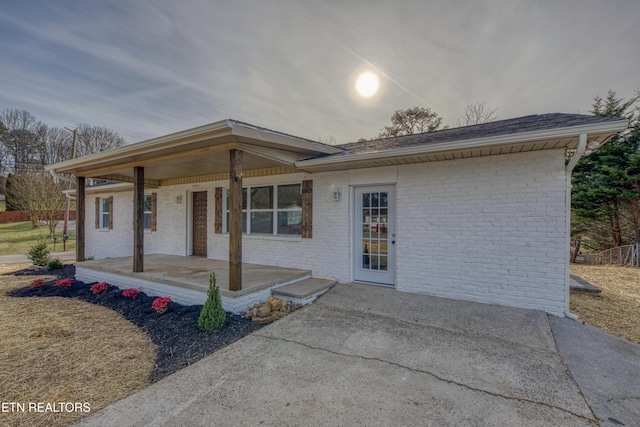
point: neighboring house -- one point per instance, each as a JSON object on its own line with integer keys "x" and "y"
{"x": 478, "y": 213}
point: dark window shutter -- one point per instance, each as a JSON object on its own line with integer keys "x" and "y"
{"x": 110, "y": 212}
{"x": 307, "y": 208}
{"x": 97, "y": 212}
{"x": 154, "y": 211}
{"x": 218, "y": 213}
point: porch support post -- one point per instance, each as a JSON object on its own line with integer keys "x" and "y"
{"x": 235, "y": 220}
{"x": 80, "y": 216}
{"x": 138, "y": 219}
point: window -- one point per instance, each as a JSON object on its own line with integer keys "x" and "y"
{"x": 104, "y": 212}
{"x": 147, "y": 211}
{"x": 271, "y": 209}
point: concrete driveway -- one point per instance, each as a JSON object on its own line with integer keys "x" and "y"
{"x": 365, "y": 355}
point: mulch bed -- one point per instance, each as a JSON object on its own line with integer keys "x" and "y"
{"x": 180, "y": 342}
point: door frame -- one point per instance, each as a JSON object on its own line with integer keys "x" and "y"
{"x": 356, "y": 225}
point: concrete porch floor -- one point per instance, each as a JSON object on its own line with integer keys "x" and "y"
{"x": 193, "y": 272}
{"x": 186, "y": 279}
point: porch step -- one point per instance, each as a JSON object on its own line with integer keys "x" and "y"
{"x": 304, "y": 291}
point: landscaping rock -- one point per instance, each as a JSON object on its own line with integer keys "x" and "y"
{"x": 274, "y": 303}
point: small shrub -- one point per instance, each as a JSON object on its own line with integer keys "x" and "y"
{"x": 39, "y": 254}
{"x": 131, "y": 293}
{"x": 212, "y": 315}
{"x": 36, "y": 283}
{"x": 64, "y": 283}
{"x": 99, "y": 288}
{"x": 160, "y": 304}
{"x": 55, "y": 264}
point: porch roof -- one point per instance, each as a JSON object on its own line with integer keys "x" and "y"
{"x": 197, "y": 152}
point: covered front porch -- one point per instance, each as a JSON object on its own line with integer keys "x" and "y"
{"x": 186, "y": 280}
{"x": 223, "y": 151}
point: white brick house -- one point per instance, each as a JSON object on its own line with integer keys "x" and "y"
{"x": 476, "y": 213}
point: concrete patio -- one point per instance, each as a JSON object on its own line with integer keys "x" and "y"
{"x": 186, "y": 278}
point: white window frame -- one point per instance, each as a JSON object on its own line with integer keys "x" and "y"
{"x": 104, "y": 212}
{"x": 274, "y": 210}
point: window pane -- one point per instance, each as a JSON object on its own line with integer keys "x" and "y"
{"x": 290, "y": 196}
{"x": 261, "y": 198}
{"x": 262, "y": 222}
{"x": 105, "y": 205}
{"x": 290, "y": 222}
{"x": 147, "y": 204}
{"x": 105, "y": 220}
{"x": 147, "y": 220}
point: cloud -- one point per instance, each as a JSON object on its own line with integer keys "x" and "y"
{"x": 147, "y": 69}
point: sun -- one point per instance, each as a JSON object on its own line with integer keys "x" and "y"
{"x": 367, "y": 84}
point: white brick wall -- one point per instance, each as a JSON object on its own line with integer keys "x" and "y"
{"x": 487, "y": 229}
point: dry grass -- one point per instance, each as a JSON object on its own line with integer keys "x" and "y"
{"x": 64, "y": 350}
{"x": 617, "y": 308}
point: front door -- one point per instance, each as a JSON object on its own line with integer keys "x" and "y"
{"x": 199, "y": 223}
{"x": 374, "y": 225}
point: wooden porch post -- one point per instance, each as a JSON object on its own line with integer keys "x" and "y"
{"x": 138, "y": 219}
{"x": 80, "y": 216}
{"x": 235, "y": 220}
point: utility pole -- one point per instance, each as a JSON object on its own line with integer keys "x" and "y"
{"x": 65, "y": 230}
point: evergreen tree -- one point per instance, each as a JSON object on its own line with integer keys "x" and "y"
{"x": 212, "y": 316}
{"x": 606, "y": 184}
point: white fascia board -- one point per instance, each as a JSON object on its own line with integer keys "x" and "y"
{"x": 474, "y": 144}
{"x": 247, "y": 131}
{"x": 141, "y": 147}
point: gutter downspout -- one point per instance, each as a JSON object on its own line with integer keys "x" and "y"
{"x": 580, "y": 151}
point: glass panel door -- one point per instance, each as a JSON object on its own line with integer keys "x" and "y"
{"x": 375, "y": 237}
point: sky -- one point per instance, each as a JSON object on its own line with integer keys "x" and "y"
{"x": 149, "y": 68}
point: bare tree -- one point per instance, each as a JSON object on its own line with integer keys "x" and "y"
{"x": 57, "y": 147}
{"x": 476, "y": 113}
{"x": 38, "y": 194}
{"x": 22, "y": 139}
{"x": 327, "y": 139}
{"x": 94, "y": 139}
{"x": 411, "y": 121}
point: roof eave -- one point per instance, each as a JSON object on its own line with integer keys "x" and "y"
{"x": 476, "y": 143}
{"x": 161, "y": 142}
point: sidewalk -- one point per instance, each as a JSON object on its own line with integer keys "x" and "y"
{"x": 18, "y": 259}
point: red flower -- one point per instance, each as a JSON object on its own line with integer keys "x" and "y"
{"x": 36, "y": 283}
{"x": 64, "y": 283}
{"x": 160, "y": 304}
{"x": 99, "y": 288}
{"x": 131, "y": 293}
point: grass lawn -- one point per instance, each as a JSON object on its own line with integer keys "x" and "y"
{"x": 44, "y": 357}
{"x": 17, "y": 237}
{"x": 617, "y": 308}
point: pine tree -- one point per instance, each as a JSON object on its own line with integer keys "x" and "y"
{"x": 606, "y": 184}
{"x": 212, "y": 316}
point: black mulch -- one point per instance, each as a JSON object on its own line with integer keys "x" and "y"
{"x": 180, "y": 342}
